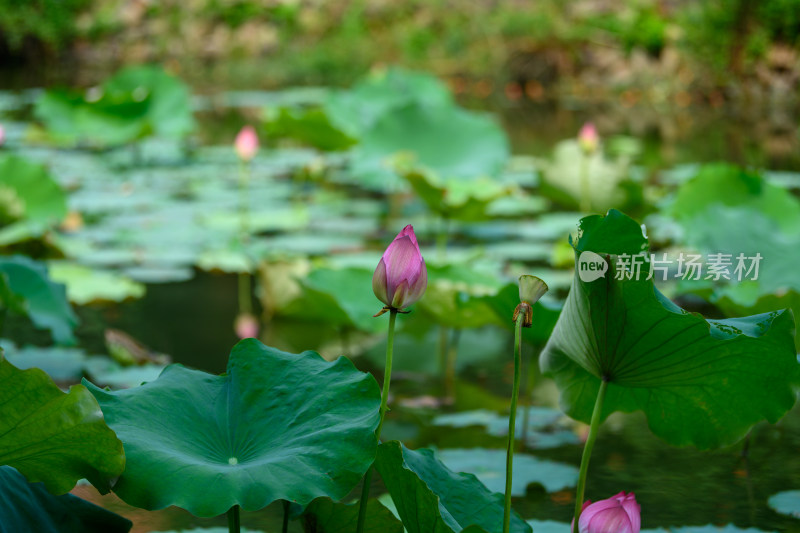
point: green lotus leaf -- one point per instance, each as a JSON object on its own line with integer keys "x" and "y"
{"x": 30, "y": 200}
{"x": 456, "y": 296}
{"x": 30, "y": 507}
{"x": 275, "y": 426}
{"x": 452, "y": 142}
{"x": 309, "y": 126}
{"x": 700, "y": 382}
{"x": 324, "y": 515}
{"x": 169, "y": 113}
{"x": 338, "y": 296}
{"x": 430, "y": 498}
{"x": 356, "y": 109}
{"x": 42, "y": 300}
{"x": 731, "y": 186}
{"x": 134, "y": 103}
{"x": 745, "y": 230}
{"x": 52, "y": 436}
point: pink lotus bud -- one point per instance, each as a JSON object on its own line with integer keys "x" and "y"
{"x": 401, "y": 277}
{"x": 246, "y": 326}
{"x": 618, "y": 514}
{"x": 588, "y": 138}
{"x": 2, "y": 135}
{"x": 246, "y": 143}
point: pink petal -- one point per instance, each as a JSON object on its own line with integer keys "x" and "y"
{"x": 246, "y": 143}
{"x": 418, "y": 286}
{"x": 613, "y": 520}
{"x": 400, "y": 295}
{"x": 408, "y": 231}
{"x": 379, "y": 283}
{"x": 403, "y": 263}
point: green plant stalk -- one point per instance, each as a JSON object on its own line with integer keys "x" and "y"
{"x": 441, "y": 239}
{"x": 245, "y": 306}
{"x": 587, "y": 451}
{"x": 450, "y": 370}
{"x": 387, "y": 378}
{"x": 585, "y": 202}
{"x": 512, "y": 421}
{"x": 285, "y": 527}
{"x": 525, "y": 392}
{"x": 233, "y": 519}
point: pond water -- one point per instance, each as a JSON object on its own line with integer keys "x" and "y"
{"x": 192, "y": 320}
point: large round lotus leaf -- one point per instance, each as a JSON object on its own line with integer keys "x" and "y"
{"x": 54, "y": 437}
{"x": 700, "y": 382}
{"x": 447, "y": 140}
{"x": 275, "y": 426}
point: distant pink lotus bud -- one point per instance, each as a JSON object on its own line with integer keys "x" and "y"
{"x": 246, "y": 143}
{"x": 2, "y": 135}
{"x": 588, "y": 138}
{"x": 401, "y": 277}
{"x": 618, "y": 514}
{"x": 246, "y": 326}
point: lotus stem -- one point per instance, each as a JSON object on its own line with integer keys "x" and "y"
{"x": 585, "y": 202}
{"x": 285, "y": 527}
{"x": 245, "y": 306}
{"x": 233, "y": 520}
{"x": 512, "y": 419}
{"x": 450, "y": 371}
{"x": 387, "y": 378}
{"x": 526, "y": 389}
{"x": 587, "y": 452}
{"x": 441, "y": 239}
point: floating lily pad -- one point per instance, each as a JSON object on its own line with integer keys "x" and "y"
{"x": 275, "y": 426}
{"x": 61, "y": 364}
{"x": 52, "y": 436}
{"x": 85, "y": 285}
{"x": 430, "y": 498}
{"x": 110, "y": 373}
{"x": 549, "y": 526}
{"x": 700, "y": 382}
{"x": 30, "y": 507}
{"x": 490, "y": 468}
{"x": 786, "y": 502}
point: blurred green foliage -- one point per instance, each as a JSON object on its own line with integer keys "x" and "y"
{"x": 337, "y": 41}
{"x": 50, "y": 21}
